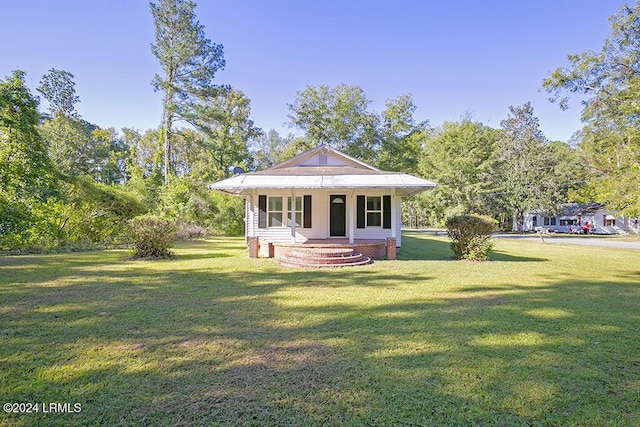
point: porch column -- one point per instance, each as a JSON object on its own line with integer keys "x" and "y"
{"x": 394, "y": 214}
{"x": 352, "y": 216}
{"x": 252, "y": 241}
{"x": 250, "y": 215}
{"x": 292, "y": 213}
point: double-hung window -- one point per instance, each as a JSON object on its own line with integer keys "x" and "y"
{"x": 374, "y": 211}
{"x": 272, "y": 212}
{"x": 295, "y": 211}
{"x": 275, "y": 212}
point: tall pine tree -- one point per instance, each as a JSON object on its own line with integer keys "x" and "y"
{"x": 189, "y": 61}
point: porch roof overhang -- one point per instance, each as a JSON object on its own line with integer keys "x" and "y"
{"x": 245, "y": 184}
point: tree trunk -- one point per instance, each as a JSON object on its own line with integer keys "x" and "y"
{"x": 520, "y": 222}
{"x": 167, "y": 150}
{"x": 166, "y": 125}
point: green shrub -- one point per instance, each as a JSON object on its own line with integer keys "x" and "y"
{"x": 188, "y": 200}
{"x": 470, "y": 236}
{"x": 151, "y": 236}
{"x": 15, "y": 219}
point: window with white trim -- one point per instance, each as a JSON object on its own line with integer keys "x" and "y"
{"x": 295, "y": 211}
{"x": 374, "y": 211}
{"x": 274, "y": 212}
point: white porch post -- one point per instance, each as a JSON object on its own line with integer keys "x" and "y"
{"x": 394, "y": 214}
{"x": 351, "y": 216}
{"x": 292, "y": 213}
{"x": 250, "y": 215}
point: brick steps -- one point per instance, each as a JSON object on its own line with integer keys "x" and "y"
{"x": 321, "y": 252}
{"x": 323, "y": 257}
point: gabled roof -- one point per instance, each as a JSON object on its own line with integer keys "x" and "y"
{"x": 323, "y": 167}
{"x": 303, "y": 159}
{"x": 573, "y": 209}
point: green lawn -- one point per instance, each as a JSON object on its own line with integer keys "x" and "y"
{"x": 541, "y": 335}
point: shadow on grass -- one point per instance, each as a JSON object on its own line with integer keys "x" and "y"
{"x": 504, "y": 256}
{"x": 179, "y": 257}
{"x": 269, "y": 346}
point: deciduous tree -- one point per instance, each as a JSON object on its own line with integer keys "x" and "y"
{"x": 26, "y": 175}
{"x": 608, "y": 82}
{"x": 337, "y": 117}
{"x": 267, "y": 149}
{"x": 59, "y": 89}
{"x": 460, "y": 157}
{"x": 529, "y": 167}
{"x": 225, "y": 122}
{"x": 400, "y": 136}
{"x": 25, "y": 170}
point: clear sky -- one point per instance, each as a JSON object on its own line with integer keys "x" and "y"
{"x": 453, "y": 56}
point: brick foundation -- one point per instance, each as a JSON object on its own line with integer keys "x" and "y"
{"x": 391, "y": 248}
{"x": 373, "y": 251}
{"x": 254, "y": 246}
{"x": 272, "y": 250}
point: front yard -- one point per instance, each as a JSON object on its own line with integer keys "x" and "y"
{"x": 541, "y": 335}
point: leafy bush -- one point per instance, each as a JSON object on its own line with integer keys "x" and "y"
{"x": 470, "y": 236}
{"x": 82, "y": 215}
{"x": 15, "y": 219}
{"x": 188, "y": 200}
{"x": 229, "y": 218}
{"x": 151, "y": 236}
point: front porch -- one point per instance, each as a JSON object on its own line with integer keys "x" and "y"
{"x": 372, "y": 248}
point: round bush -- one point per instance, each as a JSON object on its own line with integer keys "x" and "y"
{"x": 471, "y": 236}
{"x": 151, "y": 236}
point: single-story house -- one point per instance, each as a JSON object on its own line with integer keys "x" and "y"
{"x": 322, "y": 196}
{"x": 574, "y": 218}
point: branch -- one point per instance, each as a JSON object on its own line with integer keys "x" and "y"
{"x": 595, "y": 89}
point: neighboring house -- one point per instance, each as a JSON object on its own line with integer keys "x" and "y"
{"x": 321, "y": 196}
{"x": 573, "y": 217}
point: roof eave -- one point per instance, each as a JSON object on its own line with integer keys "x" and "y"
{"x": 405, "y": 190}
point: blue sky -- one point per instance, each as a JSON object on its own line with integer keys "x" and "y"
{"x": 454, "y": 57}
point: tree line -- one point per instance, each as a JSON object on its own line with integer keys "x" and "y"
{"x": 65, "y": 181}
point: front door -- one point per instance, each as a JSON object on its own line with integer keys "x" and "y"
{"x": 337, "y": 215}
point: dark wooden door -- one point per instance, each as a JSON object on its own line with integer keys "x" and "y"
{"x": 337, "y": 215}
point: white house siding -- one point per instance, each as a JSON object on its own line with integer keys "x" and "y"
{"x": 320, "y": 217}
{"x": 622, "y": 224}
{"x": 632, "y": 225}
{"x": 379, "y": 232}
{"x": 283, "y": 234}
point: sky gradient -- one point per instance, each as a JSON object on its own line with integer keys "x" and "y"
{"x": 454, "y": 57}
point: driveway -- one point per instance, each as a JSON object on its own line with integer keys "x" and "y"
{"x": 575, "y": 240}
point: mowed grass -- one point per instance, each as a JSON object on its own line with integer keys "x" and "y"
{"x": 541, "y": 335}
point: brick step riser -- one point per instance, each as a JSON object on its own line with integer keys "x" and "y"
{"x": 324, "y": 260}
{"x": 321, "y": 253}
{"x": 285, "y": 263}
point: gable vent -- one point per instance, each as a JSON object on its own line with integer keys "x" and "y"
{"x": 322, "y": 159}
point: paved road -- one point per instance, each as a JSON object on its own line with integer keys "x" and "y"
{"x": 575, "y": 240}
